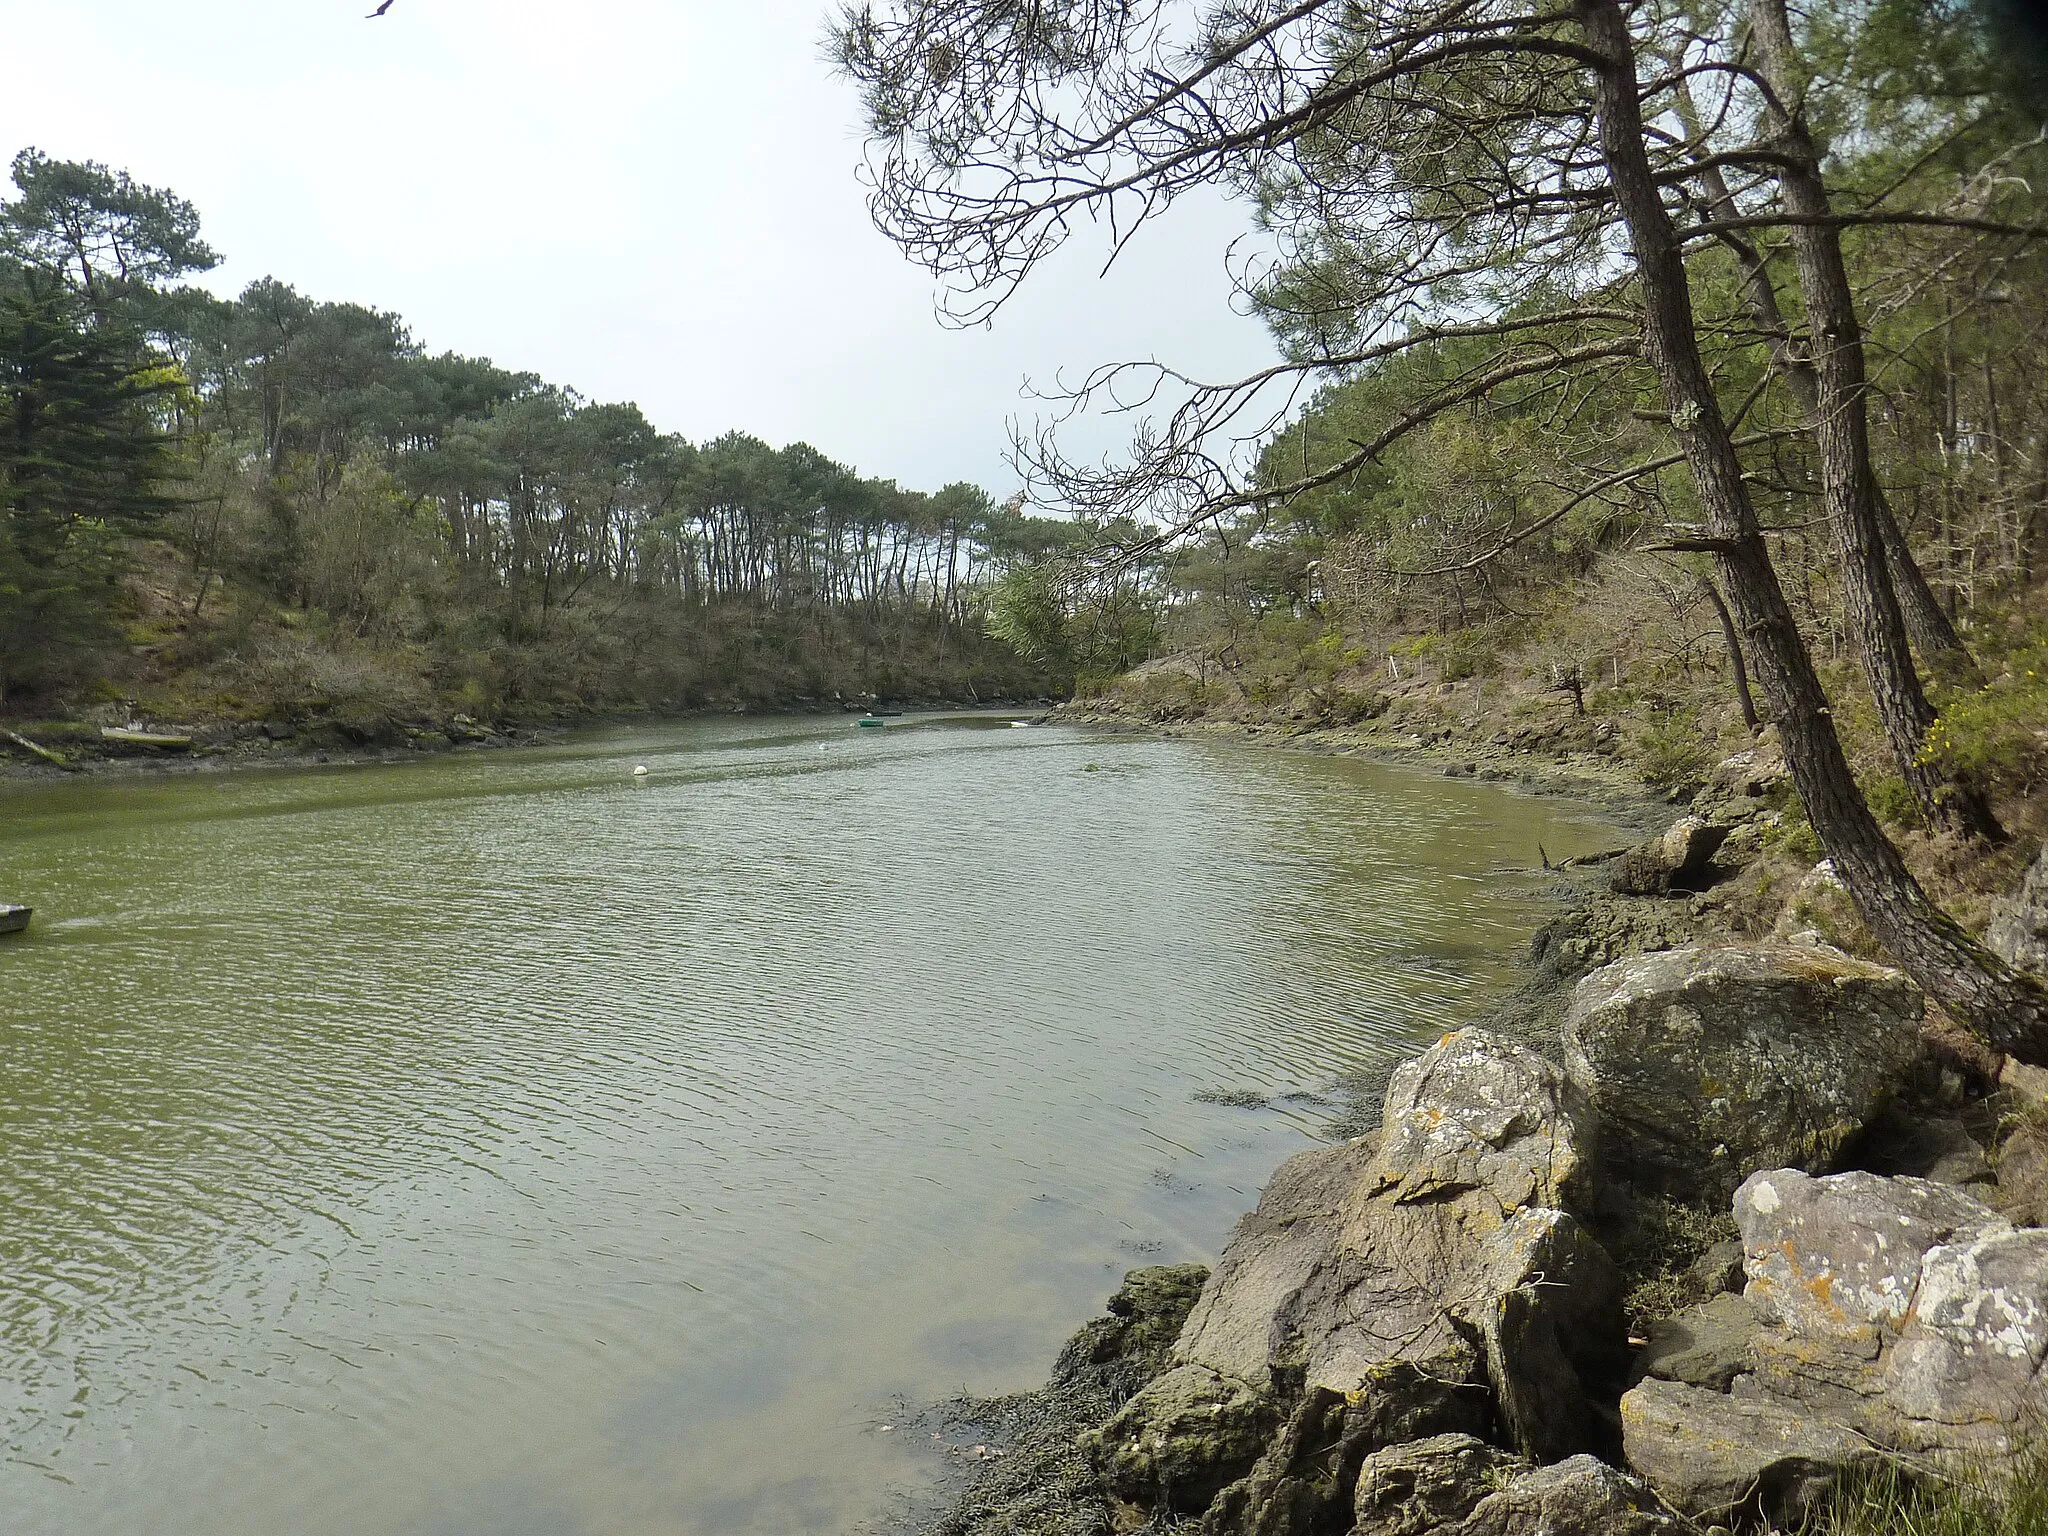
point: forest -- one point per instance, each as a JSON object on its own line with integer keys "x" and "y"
{"x": 273, "y": 506}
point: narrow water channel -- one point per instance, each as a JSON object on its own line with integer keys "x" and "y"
{"x": 500, "y": 1144}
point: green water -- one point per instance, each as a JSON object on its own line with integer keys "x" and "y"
{"x": 501, "y": 1144}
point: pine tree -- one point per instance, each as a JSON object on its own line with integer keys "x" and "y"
{"x": 84, "y": 462}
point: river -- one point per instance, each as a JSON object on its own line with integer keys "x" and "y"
{"x": 502, "y": 1144}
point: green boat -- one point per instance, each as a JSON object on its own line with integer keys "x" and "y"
{"x": 871, "y": 720}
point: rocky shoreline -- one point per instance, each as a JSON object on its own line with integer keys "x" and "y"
{"x": 1695, "y": 1232}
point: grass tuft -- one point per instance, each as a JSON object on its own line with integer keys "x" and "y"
{"x": 1990, "y": 1500}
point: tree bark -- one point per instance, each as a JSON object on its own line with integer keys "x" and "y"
{"x": 1841, "y": 428}
{"x": 2005, "y": 1008}
{"x": 1929, "y": 626}
{"x": 1736, "y": 665}
{"x": 1929, "y": 623}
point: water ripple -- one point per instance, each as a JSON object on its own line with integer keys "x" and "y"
{"x": 388, "y": 1150}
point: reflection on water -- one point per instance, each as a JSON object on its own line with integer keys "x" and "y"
{"x": 503, "y": 1144}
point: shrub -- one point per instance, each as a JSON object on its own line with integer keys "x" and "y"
{"x": 1673, "y": 752}
{"x": 1892, "y": 801}
{"x": 1656, "y": 1252}
{"x": 1998, "y": 734}
{"x": 1465, "y": 653}
{"x": 1163, "y": 694}
{"x": 1348, "y": 707}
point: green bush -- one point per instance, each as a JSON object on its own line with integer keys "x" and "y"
{"x": 1794, "y": 837}
{"x": 1997, "y": 735}
{"x": 1348, "y": 707}
{"x": 1163, "y": 694}
{"x": 1673, "y": 753}
{"x": 1892, "y": 801}
{"x": 1465, "y": 653}
{"x": 1323, "y": 658}
{"x": 1656, "y": 1253}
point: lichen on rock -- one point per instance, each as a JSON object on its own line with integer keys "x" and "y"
{"x": 1708, "y": 1064}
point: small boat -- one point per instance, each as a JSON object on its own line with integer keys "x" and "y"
{"x": 14, "y": 919}
{"x": 871, "y": 720}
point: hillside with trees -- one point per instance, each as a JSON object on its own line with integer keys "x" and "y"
{"x": 276, "y": 508}
{"x": 1652, "y": 374}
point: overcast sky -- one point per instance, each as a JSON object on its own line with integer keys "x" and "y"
{"x": 651, "y": 200}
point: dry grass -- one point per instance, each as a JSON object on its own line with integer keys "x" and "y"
{"x": 1986, "y": 1501}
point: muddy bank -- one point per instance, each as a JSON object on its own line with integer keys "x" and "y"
{"x": 53, "y": 750}
{"x": 80, "y": 748}
{"x": 1588, "y": 776}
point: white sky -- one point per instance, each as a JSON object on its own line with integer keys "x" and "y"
{"x": 651, "y": 200}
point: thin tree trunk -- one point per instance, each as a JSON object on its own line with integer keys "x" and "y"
{"x": 1841, "y": 427}
{"x": 1932, "y": 629}
{"x": 1928, "y": 625}
{"x": 2006, "y": 1009}
{"x": 1736, "y": 665}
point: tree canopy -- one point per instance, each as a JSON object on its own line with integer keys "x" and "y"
{"x": 1615, "y": 265}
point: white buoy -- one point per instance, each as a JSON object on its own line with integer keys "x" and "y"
{"x": 640, "y": 772}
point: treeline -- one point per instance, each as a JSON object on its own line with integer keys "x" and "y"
{"x": 290, "y": 500}
{"x": 1475, "y": 493}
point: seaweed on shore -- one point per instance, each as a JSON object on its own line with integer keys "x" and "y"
{"x": 1030, "y": 1477}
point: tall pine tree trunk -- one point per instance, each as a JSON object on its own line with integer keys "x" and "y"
{"x": 1841, "y": 428}
{"x": 1995, "y": 1002}
{"x": 1929, "y": 626}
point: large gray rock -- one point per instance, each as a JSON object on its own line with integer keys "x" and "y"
{"x": 1582, "y": 1496}
{"x": 1748, "y": 775}
{"x": 2028, "y": 1085}
{"x": 1718, "y": 1269}
{"x": 1426, "y": 1486}
{"x": 1903, "y": 1309}
{"x": 2018, "y": 933}
{"x": 1737, "y": 1457}
{"x": 2022, "y": 1192}
{"x": 1548, "y": 1307}
{"x": 1450, "y": 1278}
{"x": 1706, "y": 1065}
{"x": 1703, "y": 1346}
{"x": 1301, "y": 1481}
{"x": 1451, "y": 1266}
{"x": 1454, "y": 1485}
{"x": 1475, "y": 1115}
{"x": 1919, "y": 1146}
{"x": 1270, "y": 1256}
{"x": 1678, "y": 860}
